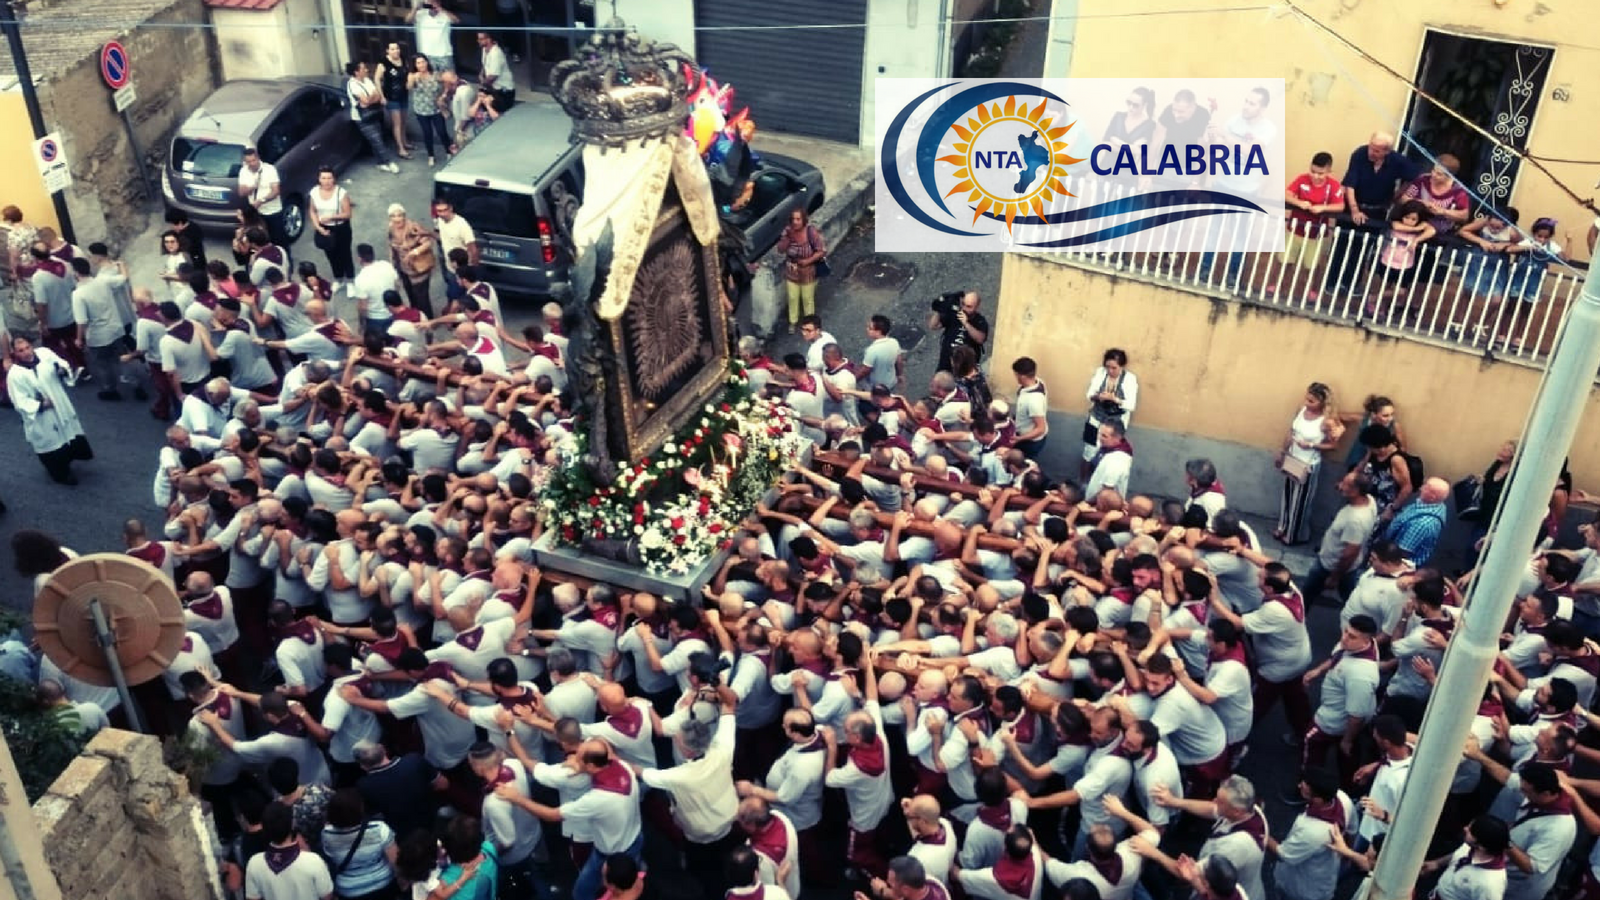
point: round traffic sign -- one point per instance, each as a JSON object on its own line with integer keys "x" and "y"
{"x": 114, "y": 65}
{"x": 48, "y": 151}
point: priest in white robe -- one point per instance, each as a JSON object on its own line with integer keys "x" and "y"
{"x": 37, "y": 385}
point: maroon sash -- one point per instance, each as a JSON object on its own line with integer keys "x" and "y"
{"x": 614, "y": 778}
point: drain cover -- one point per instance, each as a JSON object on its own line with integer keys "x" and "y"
{"x": 881, "y": 273}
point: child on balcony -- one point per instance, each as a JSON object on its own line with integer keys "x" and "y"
{"x": 1536, "y": 252}
{"x": 1408, "y": 227}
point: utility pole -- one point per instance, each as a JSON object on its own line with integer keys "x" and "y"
{"x": 1568, "y": 382}
{"x": 30, "y": 97}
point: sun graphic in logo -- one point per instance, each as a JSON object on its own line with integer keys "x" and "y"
{"x": 1008, "y": 160}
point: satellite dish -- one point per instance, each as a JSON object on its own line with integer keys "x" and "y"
{"x": 141, "y": 608}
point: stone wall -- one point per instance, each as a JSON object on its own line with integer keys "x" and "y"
{"x": 174, "y": 65}
{"x": 119, "y": 823}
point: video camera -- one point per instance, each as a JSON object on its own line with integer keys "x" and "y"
{"x": 948, "y": 303}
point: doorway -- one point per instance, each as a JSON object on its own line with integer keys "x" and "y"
{"x": 1497, "y": 86}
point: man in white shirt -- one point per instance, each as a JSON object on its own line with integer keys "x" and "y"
{"x": 248, "y": 365}
{"x": 794, "y": 783}
{"x": 1112, "y": 464}
{"x": 513, "y": 829}
{"x": 432, "y": 23}
{"x": 185, "y": 351}
{"x": 609, "y": 811}
{"x": 1112, "y": 866}
{"x": 494, "y": 75}
{"x": 260, "y": 188}
{"x": 454, "y": 234}
{"x": 373, "y": 278}
{"x": 294, "y": 734}
{"x": 883, "y": 362}
{"x": 704, "y": 798}
{"x": 1349, "y": 694}
{"x": 299, "y": 651}
{"x": 285, "y": 870}
{"x": 1108, "y": 773}
{"x": 816, "y": 339}
{"x": 208, "y": 411}
{"x": 99, "y": 321}
{"x": 1031, "y": 416}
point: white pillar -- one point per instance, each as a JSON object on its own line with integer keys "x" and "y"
{"x": 1063, "y": 34}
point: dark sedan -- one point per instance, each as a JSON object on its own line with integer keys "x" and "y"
{"x": 782, "y": 184}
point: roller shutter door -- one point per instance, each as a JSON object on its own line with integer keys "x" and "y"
{"x": 799, "y": 82}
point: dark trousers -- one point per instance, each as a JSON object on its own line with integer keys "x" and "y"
{"x": 518, "y": 880}
{"x": 417, "y": 294}
{"x": 276, "y": 234}
{"x": 1031, "y": 449}
{"x": 105, "y": 364}
{"x": 371, "y": 127}
{"x": 166, "y": 403}
{"x": 1348, "y": 261}
{"x": 433, "y": 127}
{"x": 64, "y": 342}
{"x": 335, "y": 245}
{"x": 706, "y": 861}
{"x": 58, "y": 462}
{"x": 1296, "y": 704}
{"x": 1315, "y": 753}
{"x": 863, "y": 852}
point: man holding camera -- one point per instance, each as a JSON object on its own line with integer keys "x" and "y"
{"x": 957, "y": 314}
{"x": 432, "y": 22}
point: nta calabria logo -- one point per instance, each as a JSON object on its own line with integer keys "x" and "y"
{"x": 1013, "y": 165}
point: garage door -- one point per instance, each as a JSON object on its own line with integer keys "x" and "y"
{"x": 801, "y": 82}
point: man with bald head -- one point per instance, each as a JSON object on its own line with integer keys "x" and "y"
{"x": 1373, "y": 179}
{"x": 933, "y": 839}
{"x": 805, "y": 650}
{"x": 650, "y": 624}
{"x": 325, "y": 340}
{"x": 337, "y": 572}
{"x": 626, "y": 726}
{"x": 772, "y": 835}
{"x": 1416, "y": 528}
{"x": 137, "y": 544}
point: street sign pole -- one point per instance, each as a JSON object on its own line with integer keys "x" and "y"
{"x": 116, "y": 67}
{"x": 138, "y": 158}
{"x": 19, "y": 57}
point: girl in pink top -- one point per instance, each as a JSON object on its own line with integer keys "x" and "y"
{"x": 1407, "y": 229}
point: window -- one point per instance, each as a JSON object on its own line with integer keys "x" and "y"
{"x": 1494, "y": 84}
{"x": 295, "y": 122}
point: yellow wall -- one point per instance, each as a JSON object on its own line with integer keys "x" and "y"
{"x": 24, "y": 187}
{"x": 1336, "y": 99}
{"x": 1237, "y": 372}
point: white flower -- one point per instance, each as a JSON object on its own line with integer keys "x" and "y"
{"x": 638, "y": 529}
{"x": 669, "y": 447}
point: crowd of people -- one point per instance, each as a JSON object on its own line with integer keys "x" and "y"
{"x": 931, "y": 668}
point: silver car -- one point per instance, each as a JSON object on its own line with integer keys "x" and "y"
{"x": 299, "y": 125}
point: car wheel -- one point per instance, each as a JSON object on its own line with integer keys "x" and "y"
{"x": 294, "y": 218}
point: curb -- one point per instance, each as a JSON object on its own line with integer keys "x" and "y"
{"x": 834, "y": 219}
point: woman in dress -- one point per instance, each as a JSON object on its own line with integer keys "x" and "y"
{"x": 412, "y": 249}
{"x": 1315, "y": 429}
{"x": 329, "y": 207}
{"x": 391, "y": 77}
{"x": 1136, "y": 123}
{"x": 20, "y": 317}
{"x": 425, "y": 88}
{"x": 1113, "y": 394}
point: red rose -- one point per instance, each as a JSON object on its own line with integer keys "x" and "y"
{"x": 726, "y": 408}
{"x": 679, "y": 539}
{"x": 594, "y": 500}
{"x": 723, "y": 545}
{"x": 677, "y": 522}
{"x": 568, "y": 533}
{"x": 715, "y": 528}
{"x": 644, "y": 462}
{"x": 638, "y": 509}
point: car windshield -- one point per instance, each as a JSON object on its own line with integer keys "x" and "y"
{"x": 492, "y": 211}
{"x": 207, "y": 158}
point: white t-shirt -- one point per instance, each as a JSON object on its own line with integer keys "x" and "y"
{"x": 370, "y": 283}
{"x": 1352, "y": 525}
{"x": 95, "y": 308}
{"x": 454, "y": 234}
{"x": 358, "y": 90}
{"x": 433, "y": 33}
{"x": 306, "y": 876}
{"x": 258, "y": 184}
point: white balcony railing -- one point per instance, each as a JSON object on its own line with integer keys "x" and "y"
{"x": 1503, "y": 306}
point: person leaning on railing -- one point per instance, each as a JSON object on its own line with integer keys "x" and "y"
{"x": 1371, "y": 181}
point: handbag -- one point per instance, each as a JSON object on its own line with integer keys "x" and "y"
{"x": 1295, "y": 468}
{"x": 1091, "y": 432}
{"x": 322, "y": 241}
{"x": 822, "y": 268}
{"x": 1469, "y": 498}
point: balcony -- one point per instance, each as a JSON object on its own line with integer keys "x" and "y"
{"x": 1498, "y": 306}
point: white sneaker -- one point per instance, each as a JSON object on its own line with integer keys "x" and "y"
{"x": 393, "y": 169}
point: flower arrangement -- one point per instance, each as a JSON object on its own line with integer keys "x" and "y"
{"x": 681, "y": 503}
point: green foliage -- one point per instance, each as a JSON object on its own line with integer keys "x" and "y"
{"x": 189, "y": 755}
{"x": 42, "y": 746}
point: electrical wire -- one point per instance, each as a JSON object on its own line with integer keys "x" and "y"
{"x": 1416, "y": 90}
{"x": 75, "y": 24}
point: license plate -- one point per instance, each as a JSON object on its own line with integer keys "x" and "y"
{"x": 200, "y": 192}
{"x": 495, "y": 253}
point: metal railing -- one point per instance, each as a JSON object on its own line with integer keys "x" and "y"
{"x": 1495, "y": 304}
